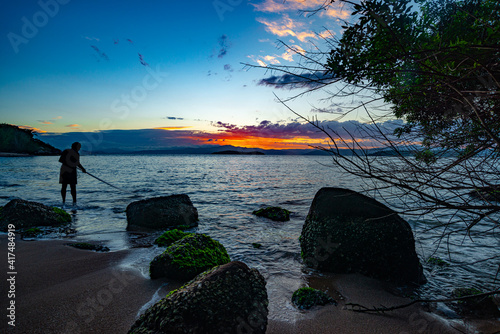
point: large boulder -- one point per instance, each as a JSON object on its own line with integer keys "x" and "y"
{"x": 347, "y": 232}
{"x": 188, "y": 257}
{"x": 25, "y": 214}
{"x": 161, "y": 213}
{"x": 228, "y": 299}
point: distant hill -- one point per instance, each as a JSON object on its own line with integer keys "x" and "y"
{"x": 13, "y": 139}
{"x": 230, "y": 152}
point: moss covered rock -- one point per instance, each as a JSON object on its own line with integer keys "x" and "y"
{"x": 305, "y": 298}
{"x": 481, "y": 307}
{"x": 228, "y": 299}
{"x": 161, "y": 213}
{"x": 25, "y": 214}
{"x": 347, "y": 232}
{"x": 169, "y": 237}
{"x": 188, "y": 257}
{"x": 274, "y": 213}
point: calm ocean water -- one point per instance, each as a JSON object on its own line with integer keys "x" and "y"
{"x": 225, "y": 190}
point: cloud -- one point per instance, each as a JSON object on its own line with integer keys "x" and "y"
{"x": 58, "y": 117}
{"x": 228, "y": 67}
{"x": 286, "y": 27}
{"x": 100, "y": 53}
{"x": 72, "y": 125}
{"x": 266, "y": 134}
{"x": 224, "y": 46}
{"x": 37, "y": 130}
{"x": 173, "y": 118}
{"x": 279, "y": 6}
{"x": 306, "y": 80}
{"x": 44, "y": 122}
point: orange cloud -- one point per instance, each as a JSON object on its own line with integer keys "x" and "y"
{"x": 32, "y": 128}
{"x": 45, "y": 122}
{"x": 286, "y": 27}
{"x": 72, "y": 125}
{"x": 278, "y": 6}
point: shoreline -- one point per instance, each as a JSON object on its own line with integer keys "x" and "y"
{"x": 60, "y": 289}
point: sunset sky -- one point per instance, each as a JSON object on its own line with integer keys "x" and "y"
{"x": 171, "y": 70}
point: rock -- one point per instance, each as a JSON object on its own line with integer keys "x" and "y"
{"x": 347, "y": 232}
{"x": 87, "y": 246}
{"x": 274, "y": 213}
{"x": 25, "y": 214}
{"x": 305, "y": 298}
{"x": 169, "y": 237}
{"x": 228, "y": 299}
{"x": 188, "y": 257}
{"x": 481, "y": 307}
{"x": 161, "y": 213}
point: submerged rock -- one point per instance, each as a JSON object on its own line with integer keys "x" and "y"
{"x": 274, "y": 213}
{"x": 161, "y": 213}
{"x": 347, "y": 232}
{"x": 481, "y": 307}
{"x": 25, "y": 214}
{"x": 305, "y": 298}
{"x": 228, "y": 299}
{"x": 188, "y": 257}
{"x": 87, "y": 246}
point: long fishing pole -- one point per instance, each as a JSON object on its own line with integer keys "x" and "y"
{"x": 109, "y": 184}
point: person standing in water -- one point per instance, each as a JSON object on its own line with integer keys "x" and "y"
{"x": 70, "y": 159}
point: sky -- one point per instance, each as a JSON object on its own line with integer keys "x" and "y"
{"x": 163, "y": 73}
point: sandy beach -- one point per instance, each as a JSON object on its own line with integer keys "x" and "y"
{"x": 59, "y": 289}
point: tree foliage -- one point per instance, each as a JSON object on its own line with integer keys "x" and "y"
{"x": 437, "y": 65}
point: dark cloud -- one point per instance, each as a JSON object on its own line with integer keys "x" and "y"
{"x": 224, "y": 45}
{"x": 307, "y": 80}
{"x": 228, "y": 67}
{"x": 174, "y": 118}
{"x": 294, "y": 129}
{"x": 99, "y": 52}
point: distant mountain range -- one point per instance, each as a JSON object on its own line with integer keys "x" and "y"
{"x": 15, "y": 140}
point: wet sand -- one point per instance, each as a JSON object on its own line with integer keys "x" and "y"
{"x": 60, "y": 289}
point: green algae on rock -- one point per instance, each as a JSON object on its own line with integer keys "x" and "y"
{"x": 25, "y": 214}
{"x": 347, "y": 232}
{"x": 31, "y": 232}
{"x": 188, "y": 257}
{"x": 169, "y": 237}
{"x": 274, "y": 213}
{"x": 231, "y": 298}
{"x": 437, "y": 261}
{"x": 305, "y": 298}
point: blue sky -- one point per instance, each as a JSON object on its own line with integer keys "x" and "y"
{"x": 86, "y": 66}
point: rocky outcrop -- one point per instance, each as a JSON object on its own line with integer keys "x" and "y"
{"x": 25, "y": 214}
{"x": 188, "y": 257}
{"x": 228, "y": 299}
{"x": 274, "y": 213}
{"x": 347, "y": 232}
{"x": 161, "y": 213}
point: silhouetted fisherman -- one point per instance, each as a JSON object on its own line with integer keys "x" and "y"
{"x": 70, "y": 159}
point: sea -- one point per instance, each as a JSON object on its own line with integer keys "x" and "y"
{"x": 226, "y": 189}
